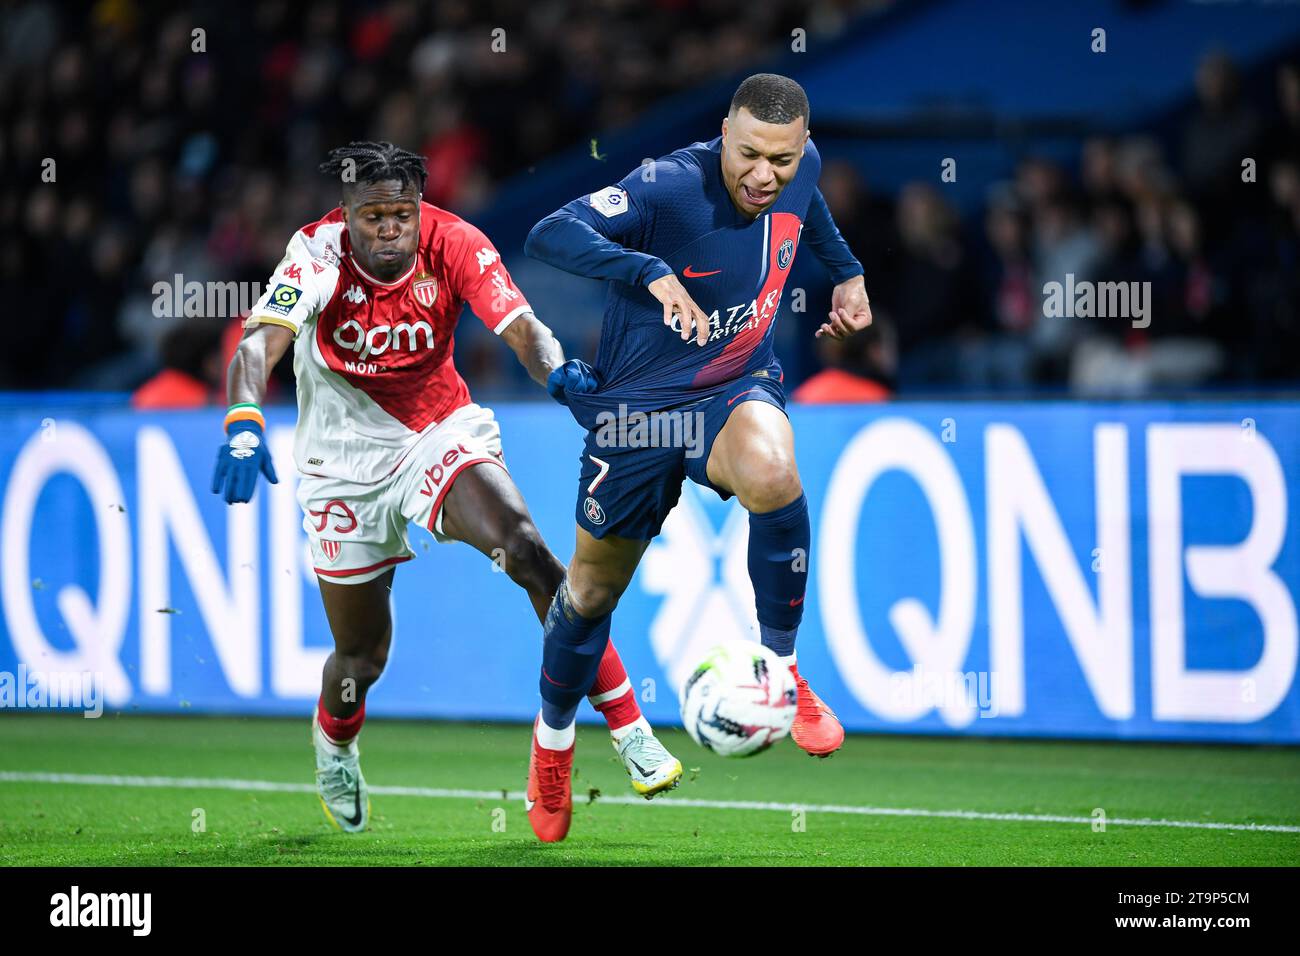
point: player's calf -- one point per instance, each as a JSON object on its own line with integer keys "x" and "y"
{"x": 347, "y": 677}
{"x": 362, "y": 628}
{"x": 779, "y": 542}
{"x": 753, "y": 457}
{"x": 572, "y": 648}
{"x": 524, "y": 556}
{"x": 613, "y": 697}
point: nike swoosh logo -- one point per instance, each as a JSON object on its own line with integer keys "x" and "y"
{"x": 355, "y": 819}
{"x": 794, "y": 603}
{"x": 690, "y": 273}
{"x": 551, "y": 679}
{"x": 639, "y": 769}
{"x": 528, "y": 804}
{"x": 741, "y": 395}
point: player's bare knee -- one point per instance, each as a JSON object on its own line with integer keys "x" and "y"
{"x": 376, "y": 659}
{"x": 769, "y": 483}
{"x": 593, "y": 596}
{"x": 364, "y": 667}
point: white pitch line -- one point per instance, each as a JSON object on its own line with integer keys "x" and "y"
{"x": 439, "y": 793}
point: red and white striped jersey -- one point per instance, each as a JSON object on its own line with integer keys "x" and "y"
{"x": 374, "y": 359}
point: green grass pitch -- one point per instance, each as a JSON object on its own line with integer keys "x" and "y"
{"x": 89, "y": 819}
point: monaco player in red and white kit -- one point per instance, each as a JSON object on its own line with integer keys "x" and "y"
{"x": 387, "y": 434}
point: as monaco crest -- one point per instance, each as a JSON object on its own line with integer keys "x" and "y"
{"x": 425, "y": 290}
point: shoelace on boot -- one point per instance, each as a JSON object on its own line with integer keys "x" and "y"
{"x": 340, "y": 781}
{"x": 551, "y": 778}
{"x": 644, "y": 749}
{"x": 806, "y": 704}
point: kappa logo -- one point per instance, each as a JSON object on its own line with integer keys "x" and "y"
{"x": 356, "y": 295}
{"x": 486, "y": 257}
{"x": 595, "y": 513}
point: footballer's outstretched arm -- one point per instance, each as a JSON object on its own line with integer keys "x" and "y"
{"x": 259, "y": 350}
{"x": 535, "y": 346}
{"x": 823, "y": 237}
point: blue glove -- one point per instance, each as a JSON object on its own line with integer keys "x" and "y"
{"x": 239, "y": 460}
{"x": 575, "y": 376}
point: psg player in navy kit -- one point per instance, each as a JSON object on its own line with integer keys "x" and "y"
{"x": 696, "y": 247}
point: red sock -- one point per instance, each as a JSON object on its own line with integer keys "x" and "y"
{"x": 340, "y": 729}
{"x": 612, "y": 694}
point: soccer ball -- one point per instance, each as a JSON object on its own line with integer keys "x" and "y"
{"x": 739, "y": 700}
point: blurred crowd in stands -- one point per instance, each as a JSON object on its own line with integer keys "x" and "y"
{"x": 171, "y": 164}
{"x": 1214, "y": 228}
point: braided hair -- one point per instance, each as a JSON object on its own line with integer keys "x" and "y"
{"x": 366, "y": 162}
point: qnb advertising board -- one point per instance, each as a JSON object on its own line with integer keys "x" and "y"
{"x": 1123, "y": 571}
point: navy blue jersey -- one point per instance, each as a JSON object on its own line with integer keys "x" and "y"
{"x": 675, "y": 216}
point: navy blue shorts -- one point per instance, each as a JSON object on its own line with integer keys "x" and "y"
{"x": 633, "y": 464}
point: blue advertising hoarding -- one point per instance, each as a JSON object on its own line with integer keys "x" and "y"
{"x": 1056, "y": 569}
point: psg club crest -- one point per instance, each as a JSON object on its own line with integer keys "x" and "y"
{"x": 785, "y": 254}
{"x": 331, "y": 550}
{"x": 425, "y": 290}
{"x": 595, "y": 513}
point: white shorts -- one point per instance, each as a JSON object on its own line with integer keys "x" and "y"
{"x": 357, "y": 531}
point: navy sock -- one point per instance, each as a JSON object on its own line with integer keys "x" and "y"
{"x": 571, "y": 651}
{"x": 778, "y": 567}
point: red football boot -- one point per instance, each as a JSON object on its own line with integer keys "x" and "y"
{"x": 548, "y": 799}
{"x": 816, "y": 729}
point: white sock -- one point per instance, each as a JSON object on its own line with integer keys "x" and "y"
{"x": 336, "y": 748}
{"x": 552, "y": 739}
{"x": 788, "y": 661}
{"x": 627, "y": 729}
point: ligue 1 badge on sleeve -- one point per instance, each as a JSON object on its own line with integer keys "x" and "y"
{"x": 283, "y": 298}
{"x": 610, "y": 201}
{"x": 425, "y": 289}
